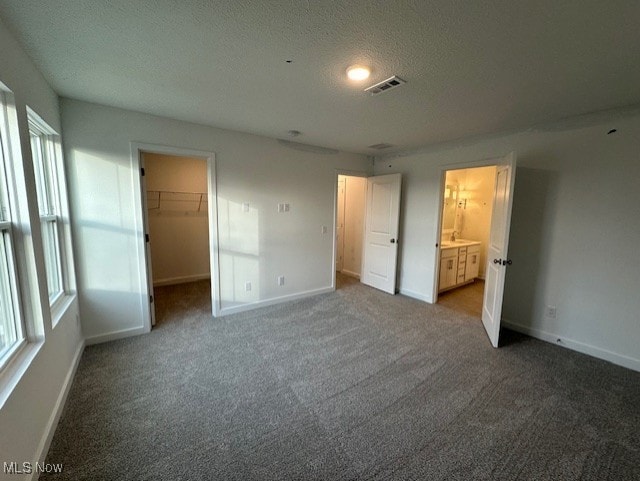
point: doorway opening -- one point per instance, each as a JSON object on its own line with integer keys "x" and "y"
{"x": 350, "y": 211}
{"x": 178, "y": 226}
{"x": 467, "y": 207}
{"x": 471, "y": 245}
{"x": 179, "y": 229}
{"x": 367, "y": 215}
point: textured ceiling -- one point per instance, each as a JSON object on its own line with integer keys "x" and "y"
{"x": 471, "y": 67}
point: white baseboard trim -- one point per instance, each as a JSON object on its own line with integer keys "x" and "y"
{"x": 350, "y": 273}
{"x": 578, "y": 346}
{"x": 415, "y": 295}
{"x": 170, "y": 281}
{"x": 112, "y": 336}
{"x": 45, "y": 442}
{"x": 274, "y": 300}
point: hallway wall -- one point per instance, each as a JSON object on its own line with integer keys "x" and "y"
{"x": 354, "y": 204}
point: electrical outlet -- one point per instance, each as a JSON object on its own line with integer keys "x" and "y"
{"x": 550, "y": 312}
{"x": 247, "y": 286}
{"x": 281, "y": 280}
{"x": 286, "y": 207}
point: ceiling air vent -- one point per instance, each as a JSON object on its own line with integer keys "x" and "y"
{"x": 380, "y": 146}
{"x": 385, "y": 85}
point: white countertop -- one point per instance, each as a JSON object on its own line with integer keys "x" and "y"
{"x": 458, "y": 243}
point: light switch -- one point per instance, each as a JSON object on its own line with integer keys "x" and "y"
{"x": 245, "y": 207}
{"x": 324, "y": 229}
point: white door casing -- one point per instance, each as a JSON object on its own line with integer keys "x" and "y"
{"x": 498, "y": 248}
{"x": 382, "y": 215}
{"x": 340, "y": 225}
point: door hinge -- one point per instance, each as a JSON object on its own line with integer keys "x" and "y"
{"x": 146, "y": 237}
{"x": 150, "y": 299}
{"x": 142, "y": 171}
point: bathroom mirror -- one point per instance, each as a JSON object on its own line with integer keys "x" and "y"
{"x": 449, "y": 207}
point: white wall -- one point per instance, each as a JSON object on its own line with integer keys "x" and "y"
{"x": 255, "y": 246}
{"x": 29, "y": 415}
{"x": 354, "y": 200}
{"x": 573, "y": 236}
{"x": 178, "y": 224}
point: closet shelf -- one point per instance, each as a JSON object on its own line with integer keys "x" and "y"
{"x": 176, "y": 201}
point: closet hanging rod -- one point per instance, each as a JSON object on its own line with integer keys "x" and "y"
{"x": 176, "y": 192}
{"x": 156, "y": 196}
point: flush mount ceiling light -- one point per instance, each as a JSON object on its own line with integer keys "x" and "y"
{"x": 358, "y": 72}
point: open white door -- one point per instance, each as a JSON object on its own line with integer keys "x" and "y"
{"x": 143, "y": 184}
{"x": 497, "y": 260}
{"x": 381, "y": 232}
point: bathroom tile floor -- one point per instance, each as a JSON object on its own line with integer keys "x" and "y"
{"x": 465, "y": 299}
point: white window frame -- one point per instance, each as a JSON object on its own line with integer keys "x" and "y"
{"x": 6, "y": 239}
{"x": 8, "y": 217}
{"x": 52, "y": 208}
{"x": 21, "y": 215}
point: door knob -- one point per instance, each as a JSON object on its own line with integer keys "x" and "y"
{"x": 504, "y": 262}
{"x": 393, "y": 241}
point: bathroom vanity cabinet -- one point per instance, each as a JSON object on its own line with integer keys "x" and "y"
{"x": 459, "y": 263}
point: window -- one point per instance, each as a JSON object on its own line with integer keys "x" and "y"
{"x": 12, "y": 332}
{"x": 47, "y": 161}
{"x": 11, "y": 329}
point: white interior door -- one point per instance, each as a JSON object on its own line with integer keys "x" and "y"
{"x": 145, "y": 217}
{"x": 497, "y": 259}
{"x": 381, "y": 232}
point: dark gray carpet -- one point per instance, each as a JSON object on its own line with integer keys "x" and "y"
{"x": 355, "y": 384}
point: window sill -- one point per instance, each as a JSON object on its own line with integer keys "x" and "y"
{"x": 13, "y": 372}
{"x": 60, "y": 308}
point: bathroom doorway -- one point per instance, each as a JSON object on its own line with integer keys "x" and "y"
{"x": 349, "y": 227}
{"x": 467, "y": 207}
{"x": 462, "y": 248}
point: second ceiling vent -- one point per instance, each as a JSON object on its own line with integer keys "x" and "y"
{"x": 385, "y": 85}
